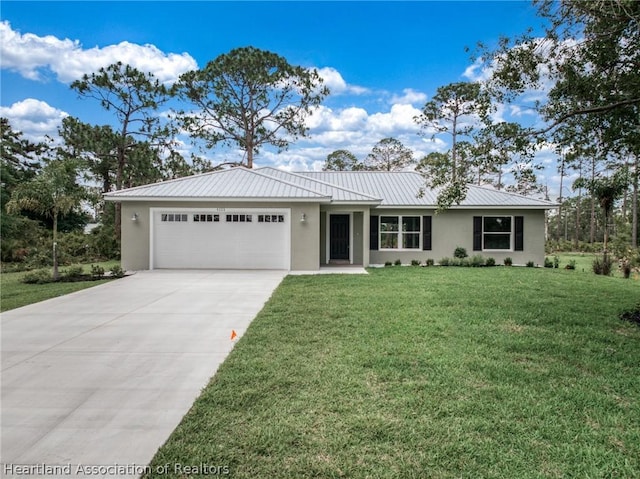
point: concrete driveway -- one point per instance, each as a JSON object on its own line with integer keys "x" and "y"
{"x": 104, "y": 375}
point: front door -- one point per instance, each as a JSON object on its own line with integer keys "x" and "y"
{"x": 339, "y": 237}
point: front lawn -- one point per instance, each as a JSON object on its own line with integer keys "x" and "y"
{"x": 425, "y": 372}
{"x": 14, "y": 293}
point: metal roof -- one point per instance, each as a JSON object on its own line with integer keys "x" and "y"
{"x": 407, "y": 188}
{"x": 235, "y": 183}
{"x": 338, "y": 194}
{"x": 382, "y": 188}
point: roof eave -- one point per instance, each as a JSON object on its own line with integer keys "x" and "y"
{"x": 227, "y": 199}
{"x": 470, "y": 207}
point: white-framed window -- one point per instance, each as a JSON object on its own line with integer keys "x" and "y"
{"x": 206, "y": 218}
{"x": 174, "y": 217}
{"x": 400, "y": 232}
{"x": 497, "y": 233}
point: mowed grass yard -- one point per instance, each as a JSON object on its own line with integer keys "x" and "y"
{"x": 426, "y": 373}
{"x": 14, "y": 293}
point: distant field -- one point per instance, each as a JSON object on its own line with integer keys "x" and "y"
{"x": 583, "y": 261}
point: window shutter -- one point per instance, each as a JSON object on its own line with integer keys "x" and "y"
{"x": 426, "y": 233}
{"x": 519, "y": 239}
{"x": 373, "y": 233}
{"x": 477, "y": 233}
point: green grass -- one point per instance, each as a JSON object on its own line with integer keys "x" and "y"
{"x": 14, "y": 293}
{"x": 584, "y": 262}
{"x": 426, "y": 372}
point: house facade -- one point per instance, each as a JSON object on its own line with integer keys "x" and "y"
{"x": 271, "y": 219}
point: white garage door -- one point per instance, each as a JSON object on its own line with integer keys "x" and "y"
{"x": 221, "y": 238}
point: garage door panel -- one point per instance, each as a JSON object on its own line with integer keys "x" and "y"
{"x": 223, "y": 244}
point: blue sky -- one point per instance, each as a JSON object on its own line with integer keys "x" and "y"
{"x": 382, "y": 60}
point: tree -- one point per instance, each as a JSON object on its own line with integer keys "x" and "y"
{"x": 389, "y": 154}
{"x": 19, "y": 161}
{"x": 606, "y": 190}
{"x": 499, "y": 148}
{"x": 249, "y": 98}
{"x": 589, "y": 56}
{"x": 54, "y": 192}
{"x": 457, "y": 109}
{"x": 134, "y": 98}
{"x": 342, "y": 160}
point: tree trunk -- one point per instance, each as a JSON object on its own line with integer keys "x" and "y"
{"x": 56, "y": 275}
{"x": 592, "y": 226}
{"x": 559, "y": 225}
{"x": 634, "y": 206}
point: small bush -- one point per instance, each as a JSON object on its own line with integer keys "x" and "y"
{"x": 490, "y": 262}
{"x": 508, "y": 261}
{"x": 117, "y": 272}
{"x": 477, "y": 261}
{"x": 625, "y": 266}
{"x": 602, "y": 266}
{"x": 548, "y": 263}
{"x": 445, "y": 262}
{"x": 571, "y": 264}
{"x": 556, "y": 262}
{"x": 97, "y": 271}
{"x": 397, "y": 262}
{"x": 415, "y": 262}
{"x": 530, "y": 264}
{"x": 73, "y": 272}
{"x": 460, "y": 252}
{"x": 41, "y": 276}
{"x": 429, "y": 262}
{"x": 464, "y": 262}
{"x": 388, "y": 263}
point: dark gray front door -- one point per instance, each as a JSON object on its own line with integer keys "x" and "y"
{"x": 339, "y": 237}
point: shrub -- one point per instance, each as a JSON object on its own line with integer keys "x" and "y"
{"x": 445, "y": 262}
{"x": 388, "y": 263}
{"x": 415, "y": 262}
{"x": 40, "y": 276}
{"x": 464, "y": 262}
{"x": 548, "y": 263}
{"x": 117, "y": 272}
{"x": 73, "y": 272}
{"x": 460, "y": 252}
{"x": 429, "y": 262}
{"x": 602, "y": 266}
{"x": 556, "y": 262}
{"x": 571, "y": 264}
{"x": 625, "y": 266}
{"x": 530, "y": 264}
{"x": 508, "y": 261}
{"x": 490, "y": 261}
{"x": 477, "y": 261}
{"x": 397, "y": 262}
{"x": 97, "y": 271}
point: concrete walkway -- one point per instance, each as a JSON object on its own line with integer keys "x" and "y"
{"x": 104, "y": 375}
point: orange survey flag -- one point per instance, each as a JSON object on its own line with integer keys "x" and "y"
{"x": 234, "y": 335}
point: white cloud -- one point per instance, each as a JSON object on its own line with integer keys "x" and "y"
{"x": 337, "y": 85}
{"x": 34, "y": 118}
{"x": 33, "y": 56}
{"x": 410, "y": 97}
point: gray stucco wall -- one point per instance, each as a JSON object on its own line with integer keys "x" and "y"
{"x": 305, "y": 236}
{"x": 454, "y": 228}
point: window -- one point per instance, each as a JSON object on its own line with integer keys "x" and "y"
{"x": 173, "y": 217}
{"x": 496, "y": 232}
{"x": 270, "y": 219}
{"x": 239, "y": 218}
{"x": 389, "y": 232}
{"x": 400, "y": 232}
{"x": 198, "y": 218}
